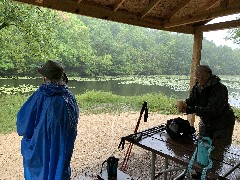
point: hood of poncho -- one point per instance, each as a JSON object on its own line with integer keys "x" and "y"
{"x": 50, "y": 89}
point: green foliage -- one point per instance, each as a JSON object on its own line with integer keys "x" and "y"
{"x": 30, "y": 35}
{"x": 91, "y": 98}
{"x": 234, "y": 34}
{"x": 157, "y": 102}
{"x": 94, "y": 102}
{"x": 10, "y": 105}
{"x": 89, "y": 102}
{"x": 237, "y": 113}
{"x": 98, "y": 101}
{"x": 136, "y": 50}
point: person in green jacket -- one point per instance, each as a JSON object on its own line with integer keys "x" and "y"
{"x": 209, "y": 100}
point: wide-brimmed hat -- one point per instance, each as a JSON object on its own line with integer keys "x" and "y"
{"x": 52, "y": 70}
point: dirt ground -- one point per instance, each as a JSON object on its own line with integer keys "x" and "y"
{"x": 98, "y": 138}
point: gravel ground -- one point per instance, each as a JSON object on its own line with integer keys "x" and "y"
{"x": 98, "y": 138}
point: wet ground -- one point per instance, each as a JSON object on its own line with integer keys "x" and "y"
{"x": 98, "y": 138}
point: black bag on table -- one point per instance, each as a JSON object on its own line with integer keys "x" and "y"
{"x": 179, "y": 128}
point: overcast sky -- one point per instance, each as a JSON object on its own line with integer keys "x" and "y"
{"x": 218, "y": 36}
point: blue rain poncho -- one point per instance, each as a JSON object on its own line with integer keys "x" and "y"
{"x": 48, "y": 123}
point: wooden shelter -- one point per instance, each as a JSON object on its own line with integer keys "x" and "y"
{"x": 181, "y": 16}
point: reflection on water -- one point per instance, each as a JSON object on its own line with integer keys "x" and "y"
{"x": 171, "y": 86}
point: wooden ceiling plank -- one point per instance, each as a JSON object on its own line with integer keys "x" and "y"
{"x": 220, "y": 26}
{"x": 183, "y": 4}
{"x": 39, "y": 1}
{"x": 224, "y": 3}
{"x": 213, "y": 5}
{"x": 206, "y": 15}
{"x": 177, "y": 9}
{"x": 117, "y": 4}
{"x": 210, "y": 4}
{"x": 150, "y": 7}
{"x": 107, "y": 13}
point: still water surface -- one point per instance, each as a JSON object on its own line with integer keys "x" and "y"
{"x": 125, "y": 87}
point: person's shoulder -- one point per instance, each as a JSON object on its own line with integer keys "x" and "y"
{"x": 70, "y": 92}
{"x": 220, "y": 87}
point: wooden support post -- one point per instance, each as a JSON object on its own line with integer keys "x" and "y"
{"x": 196, "y": 57}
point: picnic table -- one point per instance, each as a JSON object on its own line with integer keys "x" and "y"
{"x": 181, "y": 150}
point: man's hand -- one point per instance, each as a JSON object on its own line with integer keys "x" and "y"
{"x": 181, "y": 106}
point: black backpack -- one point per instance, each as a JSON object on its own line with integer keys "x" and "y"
{"x": 179, "y": 128}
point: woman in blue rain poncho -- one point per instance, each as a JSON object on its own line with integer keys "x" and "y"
{"x": 47, "y": 122}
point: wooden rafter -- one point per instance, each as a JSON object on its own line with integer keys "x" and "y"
{"x": 202, "y": 23}
{"x": 183, "y": 4}
{"x": 117, "y": 4}
{"x": 209, "y": 4}
{"x": 177, "y": 9}
{"x": 202, "y": 16}
{"x": 184, "y": 24}
{"x": 39, "y": 1}
{"x": 220, "y": 26}
{"x": 150, "y": 7}
{"x": 224, "y": 3}
{"x": 108, "y": 14}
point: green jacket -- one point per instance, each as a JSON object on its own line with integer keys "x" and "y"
{"x": 211, "y": 104}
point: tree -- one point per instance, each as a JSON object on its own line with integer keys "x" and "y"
{"x": 234, "y": 34}
{"x": 30, "y": 35}
{"x": 27, "y": 35}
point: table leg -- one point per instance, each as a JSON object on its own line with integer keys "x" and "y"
{"x": 165, "y": 167}
{"x": 153, "y": 166}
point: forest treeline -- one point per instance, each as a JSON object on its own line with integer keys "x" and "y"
{"x": 31, "y": 35}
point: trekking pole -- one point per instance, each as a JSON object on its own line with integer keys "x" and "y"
{"x": 127, "y": 155}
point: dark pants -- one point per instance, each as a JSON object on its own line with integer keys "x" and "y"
{"x": 222, "y": 136}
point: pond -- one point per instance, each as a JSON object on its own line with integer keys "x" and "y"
{"x": 172, "y": 86}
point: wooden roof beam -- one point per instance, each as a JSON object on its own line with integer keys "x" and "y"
{"x": 210, "y": 4}
{"x": 220, "y": 26}
{"x": 117, "y": 4}
{"x": 183, "y": 4}
{"x": 107, "y": 13}
{"x": 39, "y": 1}
{"x": 177, "y": 9}
{"x": 224, "y": 3}
{"x": 150, "y": 7}
{"x": 207, "y": 7}
{"x": 207, "y": 15}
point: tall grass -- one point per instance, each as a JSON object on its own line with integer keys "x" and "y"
{"x": 106, "y": 102}
{"x": 10, "y": 104}
{"x": 93, "y": 102}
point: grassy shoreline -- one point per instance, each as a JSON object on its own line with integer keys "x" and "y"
{"x": 93, "y": 102}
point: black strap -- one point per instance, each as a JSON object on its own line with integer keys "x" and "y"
{"x": 122, "y": 143}
{"x": 99, "y": 178}
{"x": 146, "y": 114}
{"x": 102, "y": 166}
